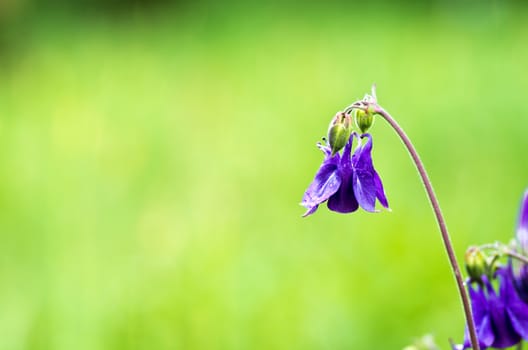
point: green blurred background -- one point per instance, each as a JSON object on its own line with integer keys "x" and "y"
{"x": 153, "y": 155}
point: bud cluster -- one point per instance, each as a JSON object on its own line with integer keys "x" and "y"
{"x": 340, "y": 127}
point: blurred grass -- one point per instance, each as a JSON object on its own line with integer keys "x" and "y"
{"x": 151, "y": 170}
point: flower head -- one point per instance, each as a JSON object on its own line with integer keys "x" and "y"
{"x": 501, "y": 319}
{"x": 520, "y": 274}
{"x": 346, "y": 181}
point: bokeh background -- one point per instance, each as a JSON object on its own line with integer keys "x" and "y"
{"x": 153, "y": 155}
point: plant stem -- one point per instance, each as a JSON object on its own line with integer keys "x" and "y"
{"x": 441, "y": 222}
{"x": 506, "y": 251}
{"x": 515, "y": 255}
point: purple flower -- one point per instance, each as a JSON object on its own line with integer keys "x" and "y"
{"x": 501, "y": 320}
{"x": 520, "y": 274}
{"x": 346, "y": 181}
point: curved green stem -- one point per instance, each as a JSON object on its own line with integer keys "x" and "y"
{"x": 441, "y": 222}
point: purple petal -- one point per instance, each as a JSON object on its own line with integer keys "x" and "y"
{"x": 520, "y": 269}
{"x": 506, "y": 289}
{"x": 485, "y": 335}
{"x": 380, "y": 192}
{"x": 365, "y": 189}
{"x": 362, "y": 155}
{"x": 344, "y": 200}
{"x": 517, "y": 310}
{"x": 501, "y": 318}
{"x": 345, "y": 158}
{"x": 519, "y": 317}
{"x": 479, "y": 305}
{"x": 505, "y": 333}
{"x": 520, "y": 279}
{"x": 481, "y": 317}
{"x": 310, "y": 211}
{"x": 325, "y": 184}
{"x": 367, "y": 183}
{"x": 522, "y": 227}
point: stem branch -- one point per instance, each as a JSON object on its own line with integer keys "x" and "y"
{"x": 441, "y": 223}
{"x": 504, "y": 250}
{"x": 515, "y": 255}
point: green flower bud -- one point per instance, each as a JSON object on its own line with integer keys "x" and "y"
{"x": 476, "y": 263}
{"x": 339, "y": 132}
{"x": 363, "y": 119}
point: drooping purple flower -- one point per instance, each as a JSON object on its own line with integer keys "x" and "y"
{"x": 501, "y": 320}
{"x": 346, "y": 181}
{"x": 520, "y": 269}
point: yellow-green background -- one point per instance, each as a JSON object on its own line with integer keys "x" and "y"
{"x": 152, "y": 160}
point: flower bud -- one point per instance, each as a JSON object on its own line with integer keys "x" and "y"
{"x": 476, "y": 265}
{"x": 363, "y": 119}
{"x": 339, "y": 132}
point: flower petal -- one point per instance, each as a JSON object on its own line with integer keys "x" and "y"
{"x": 485, "y": 335}
{"x": 479, "y": 305}
{"x": 505, "y": 333}
{"x": 326, "y": 183}
{"x": 380, "y": 192}
{"x": 345, "y": 158}
{"x": 367, "y": 183}
{"x": 522, "y": 227}
{"x": 519, "y": 318}
{"x": 344, "y": 200}
{"x": 517, "y": 310}
{"x": 310, "y": 211}
{"x": 520, "y": 279}
{"x": 365, "y": 189}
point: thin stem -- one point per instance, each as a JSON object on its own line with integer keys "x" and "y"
{"x": 441, "y": 223}
{"x": 495, "y": 246}
{"x": 515, "y": 255}
{"x": 505, "y": 251}
{"x": 519, "y": 346}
